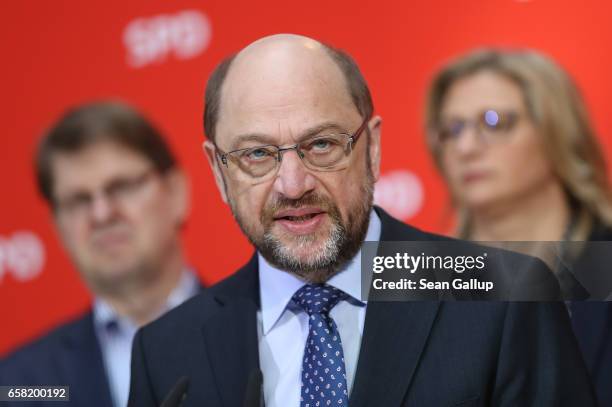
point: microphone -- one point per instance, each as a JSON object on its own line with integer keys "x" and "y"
{"x": 254, "y": 395}
{"x": 177, "y": 394}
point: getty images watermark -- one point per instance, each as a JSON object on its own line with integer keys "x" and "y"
{"x": 417, "y": 263}
{"x": 455, "y": 270}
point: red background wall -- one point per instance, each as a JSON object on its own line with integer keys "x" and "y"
{"x": 57, "y": 54}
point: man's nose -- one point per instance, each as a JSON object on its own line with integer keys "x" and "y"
{"x": 293, "y": 179}
{"x": 102, "y": 208}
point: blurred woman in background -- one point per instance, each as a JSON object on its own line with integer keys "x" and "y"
{"x": 510, "y": 134}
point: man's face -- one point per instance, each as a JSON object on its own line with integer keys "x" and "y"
{"x": 117, "y": 217}
{"x": 304, "y": 221}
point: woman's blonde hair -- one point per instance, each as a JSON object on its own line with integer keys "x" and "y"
{"x": 560, "y": 117}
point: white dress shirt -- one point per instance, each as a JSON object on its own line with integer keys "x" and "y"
{"x": 283, "y": 327}
{"x": 115, "y": 334}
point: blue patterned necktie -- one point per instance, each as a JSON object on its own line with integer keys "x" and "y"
{"x": 323, "y": 372}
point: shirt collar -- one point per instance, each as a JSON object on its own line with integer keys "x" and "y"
{"x": 278, "y": 286}
{"x": 105, "y": 316}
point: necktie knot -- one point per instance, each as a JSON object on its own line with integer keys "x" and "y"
{"x": 318, "y": 298}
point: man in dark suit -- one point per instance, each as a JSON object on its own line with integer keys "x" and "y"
{"x": 295, "y": 150}
{"x": 118, "y": 200}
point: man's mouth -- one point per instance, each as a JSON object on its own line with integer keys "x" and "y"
{"x": 109, "y": 241}
{"x": 300, "y": 221}
{"x": 299, "y": 218}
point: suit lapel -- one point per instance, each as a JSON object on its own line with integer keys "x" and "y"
{"x": 230, "y": 336}
{"x": 81, "y": 364}
{"x": 394, "y": 337}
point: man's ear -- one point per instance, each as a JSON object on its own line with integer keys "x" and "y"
{"x": 375, "y": 129}
{"x": 209, "y": 152}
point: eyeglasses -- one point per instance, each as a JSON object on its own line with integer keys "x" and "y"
{"x": 325, "y": 152}
{"x": 490, "y": 126}
{"x": 119, "y": 191}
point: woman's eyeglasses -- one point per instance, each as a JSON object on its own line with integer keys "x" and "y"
{"x": 490, "y": 126}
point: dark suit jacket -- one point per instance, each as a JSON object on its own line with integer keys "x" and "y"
{"x": 68, "y": 356}
{"x": 426, "y": 353}
{"x": 592, "y": 323}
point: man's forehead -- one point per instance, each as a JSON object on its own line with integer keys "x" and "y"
{"x": 279, "y": 47}
{"x": 94, "y": 163}
{"x": 282, "y": 60}
{"x": 285, "y": 121}
{"x": 283, "y": 82}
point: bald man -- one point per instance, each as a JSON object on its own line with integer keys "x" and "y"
{"x": 295, "y": 149}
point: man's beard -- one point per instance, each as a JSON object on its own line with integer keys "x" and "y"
{"x": 342, "y": 243}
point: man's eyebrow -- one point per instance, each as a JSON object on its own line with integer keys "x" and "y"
{"x": 266, "y": 139}
{"x": 319, "y": 128}
{"x": 260, "y": 138}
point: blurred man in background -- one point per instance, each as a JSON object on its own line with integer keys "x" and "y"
{"x": 118, "y": 201}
